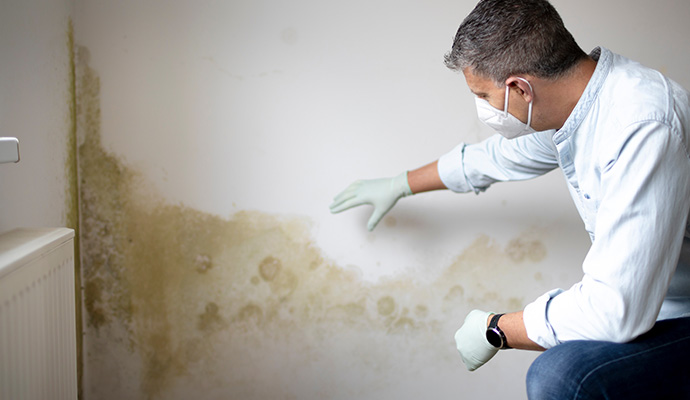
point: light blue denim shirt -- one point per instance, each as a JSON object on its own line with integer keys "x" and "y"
{"x": 624, "y": 153}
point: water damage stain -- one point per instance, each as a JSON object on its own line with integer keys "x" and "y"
{"x": 180, "y": 303}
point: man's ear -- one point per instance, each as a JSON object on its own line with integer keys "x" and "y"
{"x": 522, "y": 87}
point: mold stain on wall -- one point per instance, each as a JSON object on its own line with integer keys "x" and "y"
{"x": 72, "y": 192}
{"x": 181, "y": 303}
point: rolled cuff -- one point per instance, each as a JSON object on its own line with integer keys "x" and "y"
{"x": 536, "y": 321}
{"x": 452, "y": 171}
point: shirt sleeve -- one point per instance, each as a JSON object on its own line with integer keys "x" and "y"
{"x": 475, "y": 167}
{"x": 640, "y": 224}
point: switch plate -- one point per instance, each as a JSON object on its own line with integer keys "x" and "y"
{"x": 9, "y": 150}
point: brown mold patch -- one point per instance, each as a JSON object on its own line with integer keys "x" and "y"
{"x": 421, "y": 311}
{"x": 390, "y": 222}
{"x": 269, "y": 268}
{"x": 93, "y": 302}
{"x": 386, "y": 306}
{"x": 521, "y": 249}
{"x": 498, "y": 276}
{"x": 177, "y": 298}
{"x": 203, "y": 263}
{"x": 211, "y": 320}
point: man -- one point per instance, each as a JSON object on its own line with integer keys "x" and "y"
{"x": 620, "y": 133}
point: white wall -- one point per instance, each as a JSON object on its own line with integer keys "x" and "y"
{"x": 35, "y": 100}
{"x": 223, "y": 113}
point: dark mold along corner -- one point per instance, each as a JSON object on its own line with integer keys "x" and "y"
{"x": 175, "y": 298}
{"x": 72, "y": 197}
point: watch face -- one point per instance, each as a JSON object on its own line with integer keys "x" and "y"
{"x": 494, "y": 338}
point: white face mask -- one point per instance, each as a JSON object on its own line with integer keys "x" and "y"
{"x": 502, "y": 121}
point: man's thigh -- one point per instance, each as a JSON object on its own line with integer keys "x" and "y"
{"x": 655, "y": 365}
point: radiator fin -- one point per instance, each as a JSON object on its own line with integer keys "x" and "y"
{"x": 37, "y": 315}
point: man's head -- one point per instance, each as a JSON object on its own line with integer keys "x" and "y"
{"x": 504, "y": 38}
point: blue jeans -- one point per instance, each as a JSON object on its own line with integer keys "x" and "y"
{"x": 654, "y": 366}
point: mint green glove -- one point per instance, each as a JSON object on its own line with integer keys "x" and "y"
{"x": 381, "y": 193}
{"x": 471, "y": 341}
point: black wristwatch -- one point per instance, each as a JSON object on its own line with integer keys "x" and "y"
{"x": 494, "y": 334}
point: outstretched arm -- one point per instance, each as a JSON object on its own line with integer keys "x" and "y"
{"x": 463, "y": 169}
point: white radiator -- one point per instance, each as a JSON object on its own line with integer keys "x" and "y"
{"x": 38, "y": 355}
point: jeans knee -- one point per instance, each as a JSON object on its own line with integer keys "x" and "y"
{"x": 539, "y": 379}
{"x": 557, "y": 374}
{"x": 652, "y": 366}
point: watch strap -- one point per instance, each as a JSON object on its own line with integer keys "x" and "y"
{"x": 493, "y": 326}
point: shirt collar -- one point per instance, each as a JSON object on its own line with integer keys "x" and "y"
{"x": 604, "y": 59}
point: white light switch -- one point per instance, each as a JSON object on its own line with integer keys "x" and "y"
{"x": 9, "y": 150}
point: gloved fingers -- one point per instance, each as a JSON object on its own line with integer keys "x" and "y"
{"x": 375, "y": 218}
{"x": 342, "y": 199}
{"x": 476, "y": 355}
{"x": 354, "y": 201}
{"x": 380, "y": 210}
{"x": 337, "y": 205}
{"x": 472, "y": 362}
{"x": 348, "y": 193}
{"x": 471, "y": 341}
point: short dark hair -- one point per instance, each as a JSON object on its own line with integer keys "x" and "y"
{"x": 502, "y": 38}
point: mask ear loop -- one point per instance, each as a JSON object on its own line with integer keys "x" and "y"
{"x": 529, "y": 107}
{"x": 505, "y": 103}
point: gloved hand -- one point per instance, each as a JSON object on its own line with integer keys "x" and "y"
{"x": 471, "y": 341}
{"x": 380, "y": 193}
